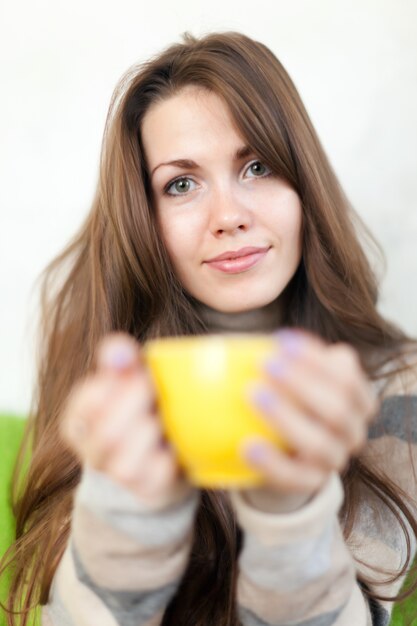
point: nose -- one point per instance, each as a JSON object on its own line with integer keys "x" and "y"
{"x": 228, "y": 212}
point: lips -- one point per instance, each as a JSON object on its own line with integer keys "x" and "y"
{"x": 240, "y": 263}
{"x": 235, "y": 254}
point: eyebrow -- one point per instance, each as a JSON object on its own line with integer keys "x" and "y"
{"x": 189, "y": 164}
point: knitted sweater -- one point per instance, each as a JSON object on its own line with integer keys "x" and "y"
{"x": 123, "y": 563}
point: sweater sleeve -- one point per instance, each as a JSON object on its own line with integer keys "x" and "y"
{"x": 297, "y": 568}
{"x": 122, "y": 563}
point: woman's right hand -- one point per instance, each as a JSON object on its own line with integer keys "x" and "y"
{"x": 111, "y": 422}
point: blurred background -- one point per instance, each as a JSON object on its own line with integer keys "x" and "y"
{"x": 354, "y": 63}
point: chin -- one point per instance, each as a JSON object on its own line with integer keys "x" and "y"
{"x": 239, "y": 306}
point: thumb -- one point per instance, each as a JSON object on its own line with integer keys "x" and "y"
{"x": 118, "y": 352}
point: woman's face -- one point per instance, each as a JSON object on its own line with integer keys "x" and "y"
{"x": 218, "y": 203}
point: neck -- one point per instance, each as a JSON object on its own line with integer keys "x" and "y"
{"x": 265, "y": 319}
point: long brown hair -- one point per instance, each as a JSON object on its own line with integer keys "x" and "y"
{"x": 115, "y": 274}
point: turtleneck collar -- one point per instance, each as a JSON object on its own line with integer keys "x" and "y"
{"x": 265, "y": 319}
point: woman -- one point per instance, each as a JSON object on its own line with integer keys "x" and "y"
{"x": 208, "y": 150}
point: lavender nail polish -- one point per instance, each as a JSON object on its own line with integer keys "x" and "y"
{"x": 119, "y": 357}
{"x": 255, "y": 452}
{"x": 264, "y": 398}
{"x": 275, "y": 367}
{"x": 291, "y": 341}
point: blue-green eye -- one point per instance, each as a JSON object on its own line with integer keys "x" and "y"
{"x": 261, "y": 168}
{"x": 181, "y": 185}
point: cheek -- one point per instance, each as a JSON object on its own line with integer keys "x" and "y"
{"x": 179, "y": 235}
{"x": 287, "y": 227}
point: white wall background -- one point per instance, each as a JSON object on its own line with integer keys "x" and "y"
{"x": 353, "y": 61}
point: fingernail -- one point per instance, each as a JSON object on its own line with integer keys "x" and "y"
{"x": 255, "y": 452}
{"x": 290, "y": 340}
{"x": 119, "y": 356}
{"x": 264, "y": 398}
{"x": 275, "y": 367}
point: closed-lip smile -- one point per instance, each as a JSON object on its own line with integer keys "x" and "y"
{"x": 238, "y": 261}
{"x": 235, "y": 254}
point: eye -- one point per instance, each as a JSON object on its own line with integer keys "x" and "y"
{"x": 259, "y": 168}
{"x": 180, "y": 185}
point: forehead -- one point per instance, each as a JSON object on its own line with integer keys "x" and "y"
{"x": 186, "y": 122}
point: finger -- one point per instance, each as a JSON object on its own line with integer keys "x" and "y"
{"x": 161, "y": 471}
{"x": 120, "y": 355}
{"x": 294, "y": 342}
{"x": 317, "y": 397}
{"x": 345, "y": 366}
{"x": 118, "y": 352}
{"x": 302, "y": 433}
{"x": 157, "y": 482}
{"x": 287, "y": 474}
{"x": 318, "y": 394}
{"x": 127, "y": 457}
{"x": 104, "y": 408}
{"x": 339, "y": 363}
{"x": 131, "y": 409}
{"x": 83, "y": 405}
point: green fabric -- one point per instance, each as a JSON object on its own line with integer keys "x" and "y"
{"x": 405, "y": 614}
{"x": 11, "y": 430}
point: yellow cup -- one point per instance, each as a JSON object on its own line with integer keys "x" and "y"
{"x": 201, "y": 382}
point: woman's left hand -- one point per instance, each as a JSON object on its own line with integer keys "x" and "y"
{"x": 319, "y": 399}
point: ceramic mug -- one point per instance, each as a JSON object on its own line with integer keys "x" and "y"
{"x": 202, "y": 383}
